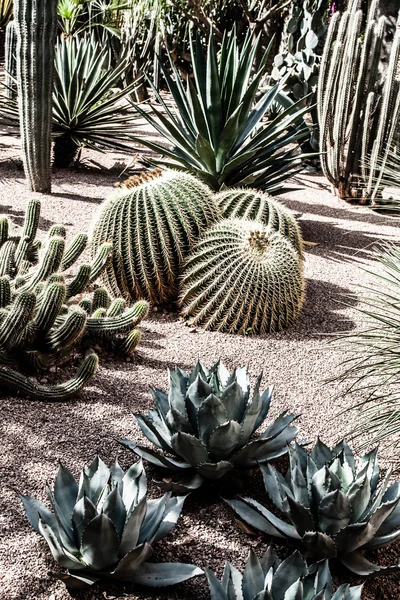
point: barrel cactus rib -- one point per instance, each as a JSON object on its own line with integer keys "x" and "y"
{"x": 152, "y": 226}
{"x": 207, "y": 421}
{"x": 242, "y": 277}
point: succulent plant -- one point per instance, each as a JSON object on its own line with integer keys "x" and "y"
{"x": 255, "y": 205}
{"x": 273, "y": 579}
{"x": 333, "y": 507}
{"x": 42, "y": 314}
{"x": 207, "y": 419}
{"x": 152, "y": 226}
{"x": 242, "y": 278}
{"x": 105, "y": 526}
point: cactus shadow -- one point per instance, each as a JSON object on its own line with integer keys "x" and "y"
{"x": 18, "y": 217}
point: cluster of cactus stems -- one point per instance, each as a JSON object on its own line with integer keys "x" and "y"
{"x": 36, "y": 28}
{"x": 357, "y": 113}
{"x": 44, "y": 312}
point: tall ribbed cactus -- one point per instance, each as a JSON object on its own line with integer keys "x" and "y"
{"x": 357, "y": 112}
{"x": 254, "y": 205}
{"x": 10, "y": 62}
{"x": 36, "y": 27}
{"x": 41, "y": 319}
{"x": 152, "y": 226}
{"x": 242, "y": 277}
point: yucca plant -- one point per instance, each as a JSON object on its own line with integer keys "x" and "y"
{"x": 207, "y": 420}
{"x": 105, "y": 526}
{"x": 333, "y": 507}
{"x": 371, "y": 364}
{"x": 273, "y": 579}
{"x": 217, "y": 130}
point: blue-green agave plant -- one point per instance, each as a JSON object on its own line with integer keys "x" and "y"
{"x": 104, "y": 526}
{"x": 207, "y": 420}
{"x": 273, "y": 579}
{"x": 332, "y": 506}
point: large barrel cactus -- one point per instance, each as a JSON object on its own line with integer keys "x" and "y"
{"x": 152, "y": 226}
{"x": 242, "y": 278}
{"x": 104, "y": 527}
{"x": 254, "y": 205}
{"x": 36, "y": 27}
{"x": 43, "y": 314}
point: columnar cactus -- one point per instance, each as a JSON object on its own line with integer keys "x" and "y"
{"x": 254, "y": 205}
{"x": 152, "y": 225}
{"x": 41, "y": 319}
{"x": 242, "y": 277}
{"x": 36, "y": 27}
{"x": 10, "y": 65}
{"x": 357, "y": 112}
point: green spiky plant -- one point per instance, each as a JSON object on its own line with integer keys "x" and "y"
{"x": 153, "y": 226}
{"x": 104, "y": 527}
{"x": 255, "y": 205}
{"x": 333, "y": 507}
{"x": 273, "y": 579}
{"x": 371, "y": 356}
{"x": 216, "y": 130}
{"x": 42, "y": 315}
{"x": 357, "y": 112}
{"x": 35, "y": 24}
{"x": 207, "y": 420}
{"x": 242, "y": 278}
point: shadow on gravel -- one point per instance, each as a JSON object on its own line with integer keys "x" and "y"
{"x": 17, "y": 217}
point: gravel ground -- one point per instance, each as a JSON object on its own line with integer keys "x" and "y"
{"x": 35, "y": 436}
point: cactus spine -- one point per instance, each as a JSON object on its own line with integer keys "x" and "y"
{"x": 242, "y": 277}
{"x": 10, "y": 66}
{"x": 357, "y": 113}
{"x": 36, "y": 27}
{"x": 152, "y": 226}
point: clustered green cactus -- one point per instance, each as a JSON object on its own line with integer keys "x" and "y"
{"x": 242, "y": 277}
{"x": 273, "y": 579}
{"x": 357, "y": 112}
{"x": 207, "y": 420}
{"x": 152, "y": 226}
{"x": 105, "y": 526}
{"x": 42, "y": 314}
{"x": 335, "y": 508}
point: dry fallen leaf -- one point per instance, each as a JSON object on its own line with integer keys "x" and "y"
{"x": 312, "y": 244}
{"x": 245, "y": 527}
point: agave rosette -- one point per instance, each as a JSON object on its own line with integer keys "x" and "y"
{"x": 269, "y": 578}
{"x": 207, "y": 420}
{"x": 334, "y": 507}
{"x": 104, "y": 526}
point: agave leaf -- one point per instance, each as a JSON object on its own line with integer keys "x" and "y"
{"x": 266, "y": 398}
{"x": 97, "y": 475}
{"x": 178, "y": 384}
{"x": 178, "y": 422}
{"x": 334, "y": 512}
{"x": 371, "y": 461}
{"x": 163, "y": 574}
{"x": 280, "y": 525}
{"x": 319, "y": 544}
{"x": 299, "y": 486}
{"x": 197, "y": 392}
{"x": 129, "y": 564}
{"x": 253, "y": 577}
{"x": 160, "y": 401}
{"x": 347, "y": 453}
{"x": 252, "y": 412}
{"x": 154, "y": 515}
{"x": 216, "y": 589}
{"x": 392, "y": 522}
{"x": 295, "y": 591}
{"x": 187, "y": 483}
{"x": 357, "y": 563}
{"x": 257, "y": 451}
{"x": 65, "y": 491}
{"x": 300, "y": 516}
{"x": 380, "y": 541}
{"x": 321, "y": 454}
{"x": 212, "y": 413}
{"x": 100, "y": 543}
{"x": 53, "y": 541}
{"x": 134, "y": 486}
{"x": 343, "y": 472}
{"x": 359, "y": 494}
{"x": 156, "y": 458}
{"x": 116, "y": 475}
{"x": 154, "y": 429}
{"x": 323, "y": 579}
{"x": 65, "y": 530}
{"x": 345, "y": 592}
{"x": 224, "y": 439}
{"x": 114, "y": 509}
{"x": 215, "y": 470}
{"x": 378, "y": 496}
{"x": 279, "y": 425}
{"x": 287, "y": 573}
{"x": 270, "y": 560}
{"x": 275, "y": 485}
{"x": 76, "y": 581}
{"x": 84, "y": 511}
{"x": 253, "y": 517}
{"x": 234, "y": 401}
{"x": 35, "y": 510}
{"x": 232, "y": 580}
{"x": 353, "y": 536}
{"x": 189, "y": 448}
{"x": 322, "y": 483}
{"x": 173, "y": 509}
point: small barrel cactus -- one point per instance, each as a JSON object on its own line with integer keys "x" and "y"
{"x": 254, "y": 205}
{"x": 335, "y": 509}
{"x": 242, "y": 277}
{"x": 152, "y": 225}
{"x": 105, "y": 527}
{"x": 207, "y": 420}
{"x": 273, "y": 579}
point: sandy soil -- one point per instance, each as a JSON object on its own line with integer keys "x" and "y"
{"x": 35, "y": 436}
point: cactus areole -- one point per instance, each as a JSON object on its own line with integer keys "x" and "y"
{"x": 36, "y": 27}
